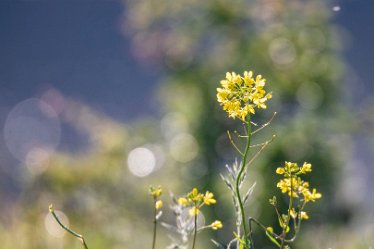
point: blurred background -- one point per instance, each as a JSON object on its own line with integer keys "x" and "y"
{"x": 102, "y": 98}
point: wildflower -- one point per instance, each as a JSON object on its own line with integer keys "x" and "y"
{"x": 303, "y": 215}
{"x": 158, "y": 204}
{"x": 291, "y": 168}
{"x": 216, "y": 225}
{"x": 240, "y": 95}
{"x": 155, "y": 192}
{"x": 293, "y": 213}
{"x": 311, "y": 196}
{"x": 195, "y": 196}
{"x": 293, "y": 183}
{"x": 289, "y": 185}
{"x": 208, "y": 198}
{"x": 280, "y": 171}
{"x": 182, "y": 201}
{"x": 307, "y": 167}
{"x": 194, "y": 211}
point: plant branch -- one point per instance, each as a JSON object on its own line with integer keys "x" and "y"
{"x": 194, "y": 232}
{"x": 243, "y": 166}
{"x": 233, "y": 144}
{"x": 75, "y": 234}
{"x": 154, "y": 226}
{"x": 264, "y": 125}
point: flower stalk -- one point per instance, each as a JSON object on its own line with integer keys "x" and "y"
{"x": 157, "y": 205}
{"x": 75, "y": 234}
{"x": 195, "y": 231}
{"x": 242, "y": 169}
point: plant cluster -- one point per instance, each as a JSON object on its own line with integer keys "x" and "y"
{"x": 239, "y": 96}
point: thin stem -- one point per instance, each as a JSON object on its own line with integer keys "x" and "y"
{"x": 154, "y": 226}
{"x": 283, "y": 238}
{"x": 243, "y": 166}
{"x": 261, "y": 149}
{"x": 233, "y": 144}
{"x": 75, "y": 234}
{"x": 250, "y": 233}
{"x": 264, "y": 125}
{"x": 263, "y": 227}
{"x": 194, "y": 232}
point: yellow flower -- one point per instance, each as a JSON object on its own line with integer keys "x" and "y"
{"x": 307, "y": 167}
{"x": 303, "y": 215}
{"x": 291, "y": 167}
{"x": 194, "y": 211}
{"x": 158, "y": 204}
{"x": 195, "y": 196}
{"x": 208, "y": 198}
{"x": 216, "y": 225}
{"x": 280, "y": 171}
{"x": 182, "y": 201}
{"x": 293, "y": 213}
{"x": 285, "y": 186}
{"x": 240, "y": 95}
{"x": 311, "y": 196}
{"x": 155, "y": 192}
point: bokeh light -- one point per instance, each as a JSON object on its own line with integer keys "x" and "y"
{"x": 173, "y": 123}
{"x": 184, "y": 148}
{"x": 30, "y": 125}
{"x": 282, "y": 51}
{"x": 37, "y": 160}
{"x": 141, "y": 161}
{"x": 336, "y": 8}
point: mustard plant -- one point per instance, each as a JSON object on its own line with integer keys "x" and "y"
{"x": 240, "y": 96}
{"x": 187, "y": 225}
{"x": 157, "y": 205}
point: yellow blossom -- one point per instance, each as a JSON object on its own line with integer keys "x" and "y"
{"x": 216, "y": 225}
{"x": 208, "y": 198}
{"x": 311, "y": 196}
{"x": 303, "y": 215}
{"x": 158, "y": 204}
{"x": 182, "y": 201}
{"x": 307, "y": 167}
{"x": 194, "y": 211}
{"x": 240, "y": 95}
{"x": 155, "y": 192}
{"x": 280, "y": 171}
{"x": 293, "y": 213}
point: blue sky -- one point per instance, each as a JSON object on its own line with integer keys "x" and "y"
{"x": 77, "y": 47}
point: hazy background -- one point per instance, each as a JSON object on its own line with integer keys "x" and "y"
{"x": 100, "y": 99}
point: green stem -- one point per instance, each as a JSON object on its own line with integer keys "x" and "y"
{"x": 79, "y": 236}
{"x": 288, "y": 215}
{"x": 195, "y": 231}
{"x": 245, "y": 155}
{"x": 154, "y": 226}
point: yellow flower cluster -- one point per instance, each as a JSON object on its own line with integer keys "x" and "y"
{"x": 195, "y": 200}
{"x": 156, "y": 193}
{"x": 240, "y": 95}
{"x": 216, "y": 225}
{"x": 293, "y": 185}
{"x": 302, "y": 214}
